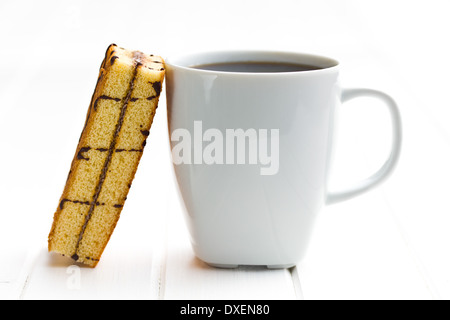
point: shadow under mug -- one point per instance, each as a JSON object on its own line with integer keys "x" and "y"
{"x": 252, "y": 152}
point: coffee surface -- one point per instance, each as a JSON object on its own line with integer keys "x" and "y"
{"x": 256, "y": 67}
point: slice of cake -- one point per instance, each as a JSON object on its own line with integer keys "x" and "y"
{"x": 109, "y": 150}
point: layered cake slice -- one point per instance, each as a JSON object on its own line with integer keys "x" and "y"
{"x": 109, "y": 150}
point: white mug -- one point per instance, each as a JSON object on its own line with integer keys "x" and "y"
{"x": 252, "y": 151}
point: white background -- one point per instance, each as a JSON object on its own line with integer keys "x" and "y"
{"x": 392, "y": 243}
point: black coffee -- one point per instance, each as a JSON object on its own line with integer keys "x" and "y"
{"x": 256, "y": 67}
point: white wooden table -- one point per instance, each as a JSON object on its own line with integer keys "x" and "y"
{"x": 392, "y": 243}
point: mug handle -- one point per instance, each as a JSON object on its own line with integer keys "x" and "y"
{"x": 389, "y": 165}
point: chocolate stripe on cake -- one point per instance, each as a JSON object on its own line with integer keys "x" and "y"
{"x": 104, "y": 98}
{"x": 131, "y": 150}
{"x": 137, "y": 60}
{"x": 80, "y": 155}
{"x": 157, "y": 86}
{"x": 106, "y": 54}
{"x": 87, "y": 203}
{"x": 113, "y": 58}
{"x": 63, "y": 201}
{"x": 89, "y": 258}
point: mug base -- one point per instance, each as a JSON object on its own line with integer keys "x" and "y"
{"x": 281, "y": 266}
{"x": 223, "y": 266}
{"x": 234, "y": 266}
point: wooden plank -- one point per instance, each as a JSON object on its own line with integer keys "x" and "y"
{"x": 126, "y": 270}
{"x": 418, "y": 193}
{"x": 358, "y": 253}
{"x": 123, "y": 273}
{"x": 186, "y": 277}
{"x": 55, "y": 277}
{"x": 6, "y": 291}
{"x": 358, "y": 250}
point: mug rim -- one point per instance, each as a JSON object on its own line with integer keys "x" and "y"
{"x": 190, "y": 60}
